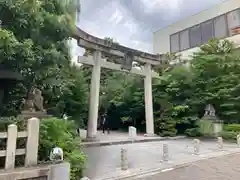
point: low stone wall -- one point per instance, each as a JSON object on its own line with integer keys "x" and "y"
{"x": 44, "y": 172}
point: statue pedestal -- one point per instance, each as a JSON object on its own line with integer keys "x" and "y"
{"x": 216, "y": 124}
{"x": 38, "y": 114}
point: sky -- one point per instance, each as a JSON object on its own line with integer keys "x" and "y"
{"x": 132, "y": 22}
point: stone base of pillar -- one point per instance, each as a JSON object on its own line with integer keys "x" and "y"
{"x": 91, "y": 139}
{"x": 149, "y": 135}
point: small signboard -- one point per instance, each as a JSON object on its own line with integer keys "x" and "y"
{"x": 127, "y": 61}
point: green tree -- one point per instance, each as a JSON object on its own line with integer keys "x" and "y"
{"x": 216, "y": 81}
{"x": 33, "y": 41}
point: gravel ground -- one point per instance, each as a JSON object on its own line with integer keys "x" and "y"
{"x": 221, "y": 168}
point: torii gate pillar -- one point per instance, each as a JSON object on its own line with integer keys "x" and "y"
{"x": 94, "y": 96}
{"x": 148, "y": 100}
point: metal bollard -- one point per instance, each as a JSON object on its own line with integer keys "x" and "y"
{"x": 220, "y": 142}
{"x": 196, "y": 146}
{"x": 124, "y": 161}
{"x": 165, "y": 152}
{"x": 238, "y": 140}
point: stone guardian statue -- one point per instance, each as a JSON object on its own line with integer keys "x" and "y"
{"x": 38, "y": 100}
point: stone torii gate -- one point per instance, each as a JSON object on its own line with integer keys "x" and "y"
{"x": 127, "y": 56}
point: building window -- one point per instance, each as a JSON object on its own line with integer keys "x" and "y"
{"x": 233, "y": 19}
{"x": 220, "y": 27}
{"x": 184, "y": 40}
{"x": 195, "y": 36}
{"x": 207, "y": 31}
{"x": 174, "y": 43}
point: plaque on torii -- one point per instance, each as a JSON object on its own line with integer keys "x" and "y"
{"x": 127, "y": 61}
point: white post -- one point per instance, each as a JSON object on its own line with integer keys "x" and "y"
{"x": 165, "y": 152}
{"x": 148, "y": 100}
{"x": 31, "y": 157}
{"x": 94, "y": 96}
{"x": 60, "y": 171}
{"x": 220, "y": 142}
{"x": 196, "y": 146}
{"x": 11, "y": 146}
{"x": 238, "y": 140}
{"x": 124, "y": 160}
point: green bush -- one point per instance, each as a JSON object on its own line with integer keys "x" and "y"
{"x": 165, "y": 126}
{"x": 229, "y": 135}
{"x": 5, "y": 121}
{"x": 61, "y": 133}
{"x": 193, "y": 132}
{"x": 232, "y": 127}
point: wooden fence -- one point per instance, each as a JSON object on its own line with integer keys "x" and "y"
{"x": 31, "y": 171}
{"x": 31, "y": 149}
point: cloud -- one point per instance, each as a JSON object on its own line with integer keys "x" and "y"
{"x": 155, "y": 5}
{"x": 116, "y": 17}
{"x": 132, "y": 23}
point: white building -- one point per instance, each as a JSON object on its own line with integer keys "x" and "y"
{"x": 185, "y": 37}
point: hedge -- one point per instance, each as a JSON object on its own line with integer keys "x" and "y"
{"x": 232, "y": 127}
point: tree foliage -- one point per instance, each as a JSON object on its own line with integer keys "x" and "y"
{"x": 180, "y": 95}
{"x": 34, "y": 41}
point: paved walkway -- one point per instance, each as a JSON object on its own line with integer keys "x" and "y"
{"x": 221, "y": 168}
{"x": 116, "y": 137}
{"x": 104, "y": 161}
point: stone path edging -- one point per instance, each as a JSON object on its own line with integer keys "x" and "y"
{"x": 154, "y": 170}
{"x": 129, "y": 141}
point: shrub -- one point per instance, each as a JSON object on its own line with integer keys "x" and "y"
{"x": 5, "y": 121}
{"x": 61, "y": 133}
{"x": 193, "y": 132}
{"x": 232, "y": 127}
{"x": 229, "y": 135}
{"x": 165, "y": 126}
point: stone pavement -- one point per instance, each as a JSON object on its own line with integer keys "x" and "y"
{"x": 220, "y": 168}
{"x": 116, "y": 137}
{"x": 104, "y": 161}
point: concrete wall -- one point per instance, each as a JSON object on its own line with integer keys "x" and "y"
{"x": 161, "y": 38}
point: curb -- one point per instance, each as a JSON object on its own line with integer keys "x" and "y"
{"x": 157, "y": 170}
{"x": 129, "y": 141}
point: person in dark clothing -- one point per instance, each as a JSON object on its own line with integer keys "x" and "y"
{"x": 105, "y": 124}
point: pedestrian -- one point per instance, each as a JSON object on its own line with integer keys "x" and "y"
{"x": 78, "y": 131}
{"x": 105, "y": 124}
{"x": 103, "y": 119}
